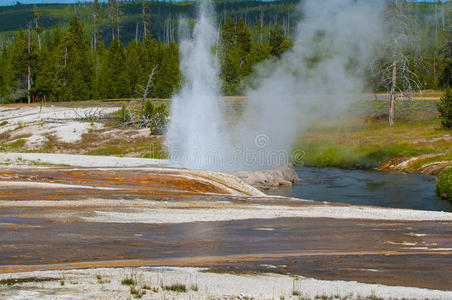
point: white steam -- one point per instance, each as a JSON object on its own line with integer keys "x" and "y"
{"x": 195, "y": 133}
{"x": 316, "y": 78}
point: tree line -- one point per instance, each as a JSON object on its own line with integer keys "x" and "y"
{"x": 65, "y": 66}
{"x": 74, "y": 63}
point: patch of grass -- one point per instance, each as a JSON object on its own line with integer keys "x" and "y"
{"x": 16, "y": 144}
{"x": 4, "y": 136}
{"x": 13, "y": 281}
{"x": 107, "y": 150}
{"x": 177, "y": 287}
{"x": 444, "y": 184}
{"x": 100, "y": 280}
{"x": 136, "y": 292}
{"x": 50, "y": 144}
{"x": 3, "y": 123}
{"x": 354, "y": 142}
{"x": 129, "y": 281}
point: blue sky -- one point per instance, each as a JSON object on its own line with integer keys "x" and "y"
{"x": 12, "y": 2}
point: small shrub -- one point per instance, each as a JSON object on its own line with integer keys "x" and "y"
{"x": 137, "y": 293}
{"x": 445, "y": 109}
{"x": 148, "y": 110}
{"x": 124, "y": 114}
{"x": 444, "y": 184}
{"x": 159, "y": 119}
{"x": 128, "y": 281}
{"x": 3, "y": 123}
{"x": 180, "y": 288}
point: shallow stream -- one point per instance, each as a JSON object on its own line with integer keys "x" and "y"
{"x": 363, "y": 187}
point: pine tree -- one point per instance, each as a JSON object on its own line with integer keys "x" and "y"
{"x": 24, "y": 60}
{"x": 236, "y": 56}
{"x": 277, "y": 40}
{"x": 78, "y": 63}
{"x": 115, "y": 83}
{"x": 133, "y": 68}
{"x": 6, "y": 76}
{"x": 445, "y": 109}
{"x": 168, "y": 76}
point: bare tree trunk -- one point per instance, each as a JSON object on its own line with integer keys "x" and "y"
{"x": 393, "y": 90}
{"x": 28, "y": 83}
{"x": 117, "y": 18}
{"x": 136, "y": 33}
{"x": 29, "y": 67}
{"x": 261, "y": 26}
{"x": 94, "y": 28}
{"x": 112, "y": 18}
{"x": 436, "y": 24}
{"x": 146, "y": 90}
{"x": 65, "y": 63}
{"x": 143, "y": 15}
{"x": 36, "y": 16}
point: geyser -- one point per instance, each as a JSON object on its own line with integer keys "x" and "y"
{"x": 313, "y": 79}
{"x": 196, "y": 127}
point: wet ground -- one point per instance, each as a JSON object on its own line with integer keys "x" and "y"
{"x": 38, "y": 231}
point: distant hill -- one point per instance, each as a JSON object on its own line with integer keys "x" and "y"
{"x": 164, "y": 16}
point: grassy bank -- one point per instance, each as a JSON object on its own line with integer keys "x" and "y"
{"x": 365, "y": 143}
{"x": 444, "y": 184}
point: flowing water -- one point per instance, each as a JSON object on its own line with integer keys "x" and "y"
{"x": 362, "y": 187}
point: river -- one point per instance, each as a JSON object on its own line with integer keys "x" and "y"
{"x": 362, "y": 187}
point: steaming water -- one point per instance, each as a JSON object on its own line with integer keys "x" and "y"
{"x": 332, "y": 46}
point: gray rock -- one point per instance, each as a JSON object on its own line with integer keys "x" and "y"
{"x": 284, "y": 175}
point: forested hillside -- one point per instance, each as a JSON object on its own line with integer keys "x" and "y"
{"x": 110, "y": 50}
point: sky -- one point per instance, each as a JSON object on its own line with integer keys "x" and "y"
{"x": 12, "y": 2}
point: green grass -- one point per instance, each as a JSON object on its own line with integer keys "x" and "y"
{"x": 368, "y": 143}
{"x": 177, "y": 287}
{"x": 107, "y": 150}
{"x": 13, "y": 281}
{"x": 128, "y": 281}
{"x": 444, "y": 184}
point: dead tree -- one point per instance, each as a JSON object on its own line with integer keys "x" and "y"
{"x": 144, "y": 18}
{"x": 111, "y": 8}
{"x": 36, "y": 15}
{"x": 117, "y": 17}
{"x": 96, "y": 14}
{"x": 29, "y": 65}
{"x": 396, "y": 73}
{"x": 146, "y": 89}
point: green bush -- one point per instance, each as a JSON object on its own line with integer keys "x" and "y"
{"x": 124, "y": 113}
{"x": 445, "y": 109}
{"x": 444, "y": 183}
{"x": 148, "y": 110}
{"x": 159, "y": 119}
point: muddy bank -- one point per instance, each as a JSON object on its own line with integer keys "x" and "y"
{"x": 427, "y": 164}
